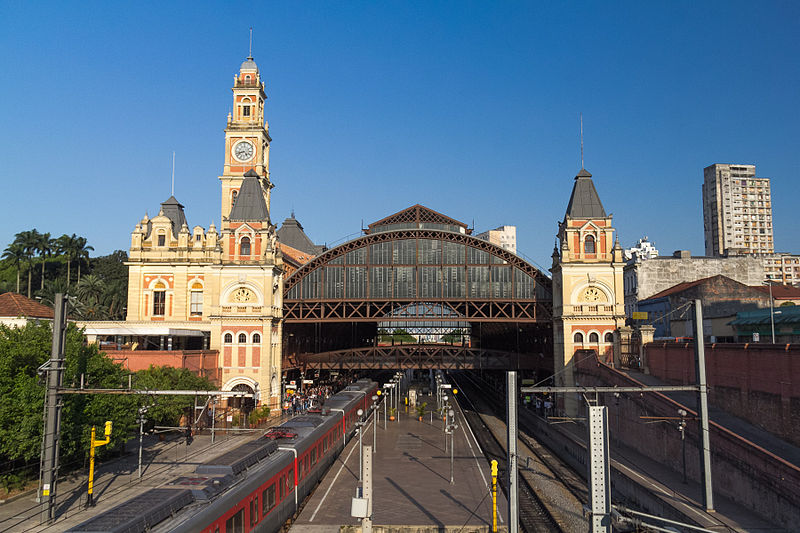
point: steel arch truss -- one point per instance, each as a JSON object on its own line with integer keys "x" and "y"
{"x": 537, "y": 308}
{"x": 417, "y": 356}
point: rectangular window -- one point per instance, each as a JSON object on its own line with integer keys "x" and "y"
{"x": 161, "y": 240}
{"x": 289, "y": 481}
{"x": 313, "y": 457}
{"x": 254, "y": 512}
{"x": 197, "y": 303}
{"x": 159, "y": 302}
{"x": 268, "y": 499}
{"x": 281, "y": 488}
{"x": 235, "y": 524}
{"x": 246, "y": 111}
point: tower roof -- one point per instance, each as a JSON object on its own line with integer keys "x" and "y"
{"x": 291, "y": 234}
{"x": 249, "y": 64}
{"x": 173, "y": 210}
{"x": 250, "y": 204}
{"x": 584, "y": 201}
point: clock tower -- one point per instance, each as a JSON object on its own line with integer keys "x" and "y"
{"x": 247, "y": 137}
{"x": 588, "y": 297}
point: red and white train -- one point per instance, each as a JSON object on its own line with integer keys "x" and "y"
{"x": 256, "y": 487}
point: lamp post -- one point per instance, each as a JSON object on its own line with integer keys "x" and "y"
{"x": 374, "y": 408}
{"x": 682, "y": 429}
{"x": 359, "y": 425}
{"x": 451, "y": 430}
{"x": 771, "y": 312}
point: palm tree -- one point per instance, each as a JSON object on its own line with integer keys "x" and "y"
{"x": 15, "y": 253}
{"x": 45, "y": 247}
{"x": 90, "y": 289}
{"x": 29, "y": 240}
{"x": 81, "y": 253}
{"x": 66, "y": 247}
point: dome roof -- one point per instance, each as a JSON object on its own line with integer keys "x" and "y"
{"x": 249, "y": 64}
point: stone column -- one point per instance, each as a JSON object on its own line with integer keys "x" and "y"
{"x": 645, "y": 337}
{"x": 622, "y": 337}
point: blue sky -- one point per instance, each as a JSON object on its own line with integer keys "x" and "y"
{"x": 470, "y": 108}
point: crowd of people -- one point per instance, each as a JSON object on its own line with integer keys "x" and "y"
{"x": 300, "y": 401}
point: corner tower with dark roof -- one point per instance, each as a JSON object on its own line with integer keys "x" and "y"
{"x": 588, "y": 297}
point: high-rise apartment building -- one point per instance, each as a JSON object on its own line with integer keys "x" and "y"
{"x": 504, "y": 237}
{"x": 737, "y": 211}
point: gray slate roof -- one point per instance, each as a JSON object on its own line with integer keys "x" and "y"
{"x": 249, "y": 64}
{"x": 250, "y": 203}
{"x": 173, "y": 210}
{"x": 291, "y": 234}
{"x": 584, "y": 202}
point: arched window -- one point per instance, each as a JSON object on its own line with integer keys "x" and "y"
{"x": 159, "y": 299}
{"x": 578, "y": 338}
{"x": 247, "y": 78}
{"x": 244, "y": 246}
{"x": 228, "y": 338}
{"x": 594, "y": 337}
{"x": 256, "y": 338}
{"x": 609, "y": 337}
{"x": 242, "y": 338}
{"x": 588, "y": 245}
{"x": 234, "y": 194}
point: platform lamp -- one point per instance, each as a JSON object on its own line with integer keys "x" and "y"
{"x": 374, "y": 408}
{"x": 682, "y": 428}
{"x": 359, "y": 426}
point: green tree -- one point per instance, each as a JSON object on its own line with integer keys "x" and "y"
{"x": 402, "y": 336}
{"x": 167, "y": 410}
{"x": 67, "y": 246}
{"x": 44, "y": 247}
{"x": 81, "y": 252}
{"x": 15, "y": 253}
{"x": 29, "y": 240}
{"x": 22, "y": 352}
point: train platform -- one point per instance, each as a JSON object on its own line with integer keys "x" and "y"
{"x": 411, "y": 480}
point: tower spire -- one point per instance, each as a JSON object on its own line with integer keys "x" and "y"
{"x": 581, "y": 140}
{"x": 250, "y": 55}
{"x": 172, "y": 189}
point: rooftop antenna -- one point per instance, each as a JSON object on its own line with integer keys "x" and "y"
{"x": 172, "y": 190}
{"x": 582, "y": 141}
{"x": 251, "y": 44}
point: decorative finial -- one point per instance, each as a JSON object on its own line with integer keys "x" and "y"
{"x": 250, "y": 56}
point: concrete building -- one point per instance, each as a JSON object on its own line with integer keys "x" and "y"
{"x": 643, "y": 249}
{"x": 643, "y": 279}
{"x": 671, "y": 314}
{"x": 737, "y": 211}
{"x": 215, "y": 289}
{"x": 505, "y": 237}
{"x": 782, "y": 268}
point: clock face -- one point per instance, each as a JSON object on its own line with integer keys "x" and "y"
{"x": 242, "y": 295}
{"x": 593, "y": 294}
{"x": 243, "y": 151}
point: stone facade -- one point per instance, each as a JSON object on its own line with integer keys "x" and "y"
{"x": 218, "y": 289}
{"x": 587, "y": 283}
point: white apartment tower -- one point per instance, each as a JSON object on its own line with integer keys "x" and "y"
{"x": 737, "y": 211}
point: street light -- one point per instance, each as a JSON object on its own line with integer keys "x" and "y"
{"x": 359, "y": 425}
{"x": 374, "y": 424}
{"x": 451, "y": 430}
{"x": 682, "y": 429}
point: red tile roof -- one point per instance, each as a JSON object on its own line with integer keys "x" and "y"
{"x": 780, "y": 292}
{"x": 293, "y": 258}
{"x": 679, "y": 288}
{"x": 17, "y": 305}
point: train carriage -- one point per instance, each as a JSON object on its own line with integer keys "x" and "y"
{"x": 256, "y": 486}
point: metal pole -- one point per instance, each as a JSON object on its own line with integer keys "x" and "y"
{"x": 52, "y": 422}
{"x": 494, "y": 496}
{"x": 513, "y": 508}
{"x": 213, "y": 419}
{"x": 771, "y": 313}
{"x": 702, "y": 404}
{"x": 366, "y": 523}
{"x": 141, "y": 429}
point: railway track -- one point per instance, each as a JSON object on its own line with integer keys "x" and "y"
{"x": 534, "y": 515}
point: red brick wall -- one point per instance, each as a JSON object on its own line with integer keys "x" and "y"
{"x": 758, "y": 382}
{"x": 201, "y": 362}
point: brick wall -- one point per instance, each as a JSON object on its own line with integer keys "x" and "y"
{"x": 757, "y": 382}
{"x": 201, "y": 362}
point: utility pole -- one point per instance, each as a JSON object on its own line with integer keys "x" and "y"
{"x": 702, "y": 405}
{"x": 366, "y": 523}
{"x": 513, "y": 506}
{"x": 598, "y": 470}
{"x": 52, "y": 411}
